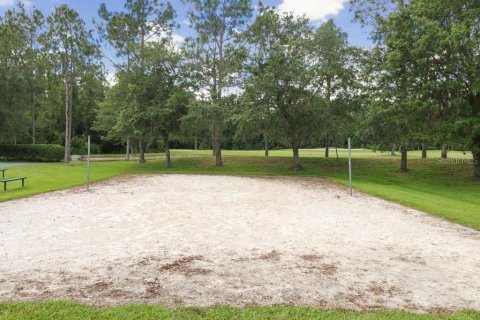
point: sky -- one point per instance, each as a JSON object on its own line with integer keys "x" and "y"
{"x": 317, "y": 11}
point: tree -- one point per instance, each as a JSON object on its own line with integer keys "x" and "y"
{"x": 255, "y": 117}
{"x": 218, "y": 25}
{"x": 15, "y": 60}
{"x": 26, "y": 28}
{"x": 129, "y": 32}
{"x": 434, "y": 45}
{"x": 370, "y": 12}
{"x": 281, "y": 74}
{"x": 166, "y": 89}
{"x": 335, "y": 68}
{"x": 71, "y": 43}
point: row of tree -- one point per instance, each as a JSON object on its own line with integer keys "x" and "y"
{"x": 252, "y": 74}
{"x": 46, "y": 63}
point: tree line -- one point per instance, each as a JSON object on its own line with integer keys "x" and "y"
{"x": 246, "y": 74}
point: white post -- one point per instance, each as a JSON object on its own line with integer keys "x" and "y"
{"x": 350, "y": 166}
{"x": 88, "y": 164}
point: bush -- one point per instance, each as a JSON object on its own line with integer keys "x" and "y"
{"x": 79, "y": 145}
{"x": 32, "y": 152}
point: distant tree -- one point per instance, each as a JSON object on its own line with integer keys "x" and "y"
{"x": 335, "y": 68}
{"x": 216, "y": 50}
{"x": 281, "y": 74}
{"x": 167, "y": 91}
{"x": 129, "y": 32}
{"x": 68, "y": 40}
{"x": 26, "y": 27}
{"x": 434, "y": 45}
{"x": 255, "y": 116}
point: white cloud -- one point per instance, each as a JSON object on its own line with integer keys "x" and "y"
{"x": 4, "y": 3}
{"x": 178, "y": 39}
{"x": 111, "y": 78}
{"x": 315, "y": 10}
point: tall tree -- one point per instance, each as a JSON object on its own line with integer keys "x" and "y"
{"x": 166, "y": 87}
{"x": 335, "y": 69}
{"x": 437, "y": 44}
{"x": 281, "y": 73}
{"x": 218, "y": 25}
{"x": 68, "y": 40}
{"x": 129, "y": 32}
{"x": 27, "y": 27}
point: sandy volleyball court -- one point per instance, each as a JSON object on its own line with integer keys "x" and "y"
{"x": 203, "y": 240}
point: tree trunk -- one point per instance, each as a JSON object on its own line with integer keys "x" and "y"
{"x": 132, "y": 147}
{"x": 34, "y": 125}
{"x": 195, "y": 143}
{"x": 217, "y": 145}
{"x": 444, "y": 151}
{"x": 403, "y": 162}
{"x": 296, "y": 157}
{"x": 141, "y": 147}
{"x": 166, "y": 144}
{"x": 327, "y": 147}
{"x": 392, "y": 151}
{"x": 265, "y": 140}
{"x": 336, "y": 147}
{"x": 476, "y": 158}
{"x": 476, "y": 165}
{"x": 68, "y": 121}
{"x": 127, "y": 150}
{"x": 424, "y": 150}
{"x": 213, "y": 141}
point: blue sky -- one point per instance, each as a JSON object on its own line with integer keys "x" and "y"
{"x": 316, "y": 10}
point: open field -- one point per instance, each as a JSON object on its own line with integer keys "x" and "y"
{"x": 307, "y": 153}
{"x": 197, "y": 240}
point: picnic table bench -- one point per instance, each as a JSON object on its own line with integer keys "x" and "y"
{"x": 6, "y": 180}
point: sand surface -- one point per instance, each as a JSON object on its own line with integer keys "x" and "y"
{"x": 203, "y": 240}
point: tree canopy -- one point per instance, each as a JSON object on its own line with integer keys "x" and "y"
{"x": 245, "y": 77}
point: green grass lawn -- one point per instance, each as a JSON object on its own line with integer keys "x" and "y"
{"x": 70, "y": 311}
{"x": 307, "y": 153}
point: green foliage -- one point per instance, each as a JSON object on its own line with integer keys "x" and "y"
{"x": 217, "y": 54}
{"x": 273, "y": 80}
{"x": 30, "y": 152}
{"x": 280, "y": 76}
{"x": 130, "y": 109}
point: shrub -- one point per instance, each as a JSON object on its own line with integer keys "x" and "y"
{"x": 79, "y": 145}
{"x": 32, "y": 152}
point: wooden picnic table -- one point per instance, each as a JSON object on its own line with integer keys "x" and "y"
{"x": 3, "y": 172}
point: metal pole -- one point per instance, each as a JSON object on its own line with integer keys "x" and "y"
{"x": 88, "y": 164}
{"x": 350, "y": 166}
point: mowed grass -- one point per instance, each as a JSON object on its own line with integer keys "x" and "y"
{"x": 306, "y": 153}
{"x": 66, "y": 310}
